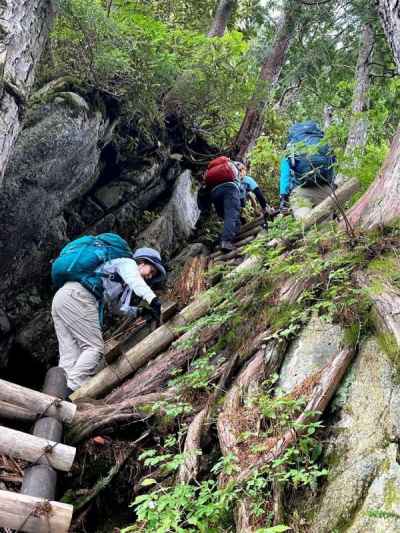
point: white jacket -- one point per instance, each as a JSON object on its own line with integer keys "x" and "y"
{"x": 117, "y": 295}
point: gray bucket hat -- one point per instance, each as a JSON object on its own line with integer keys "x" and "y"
{"x": 153, "y": 257}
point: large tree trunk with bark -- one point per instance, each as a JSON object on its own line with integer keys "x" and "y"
{"x": 221, "y": 18}
{"x": 380, "y": 205}
{"x": 271, "y": 69}
{"x": 24, "y": 27}
{"x": 389, "y": 13}
{"x": 359, "y": 125}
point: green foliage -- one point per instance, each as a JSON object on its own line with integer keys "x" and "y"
{"x": 202, "y": 508}
{"x": 380, "y": 513}
{"x": 139, "y": 59}
{"x": 197, "y": 378}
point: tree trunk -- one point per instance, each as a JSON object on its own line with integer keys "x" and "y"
{"x": 24, "y": 27}
{"x": 389, "y": 13}
{"x": 359, "y": 126}
{"x": 380, "y": 205}
{"x": 271, "y": 69}
{"x": 221, "y": 18}
{"x": 328, "y": 116}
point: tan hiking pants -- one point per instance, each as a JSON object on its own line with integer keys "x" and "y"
{"x": 304, "y": 199}
{"x": 75, "y": 315}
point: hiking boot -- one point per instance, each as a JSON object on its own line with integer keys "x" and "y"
{"x": 227, "y": 246}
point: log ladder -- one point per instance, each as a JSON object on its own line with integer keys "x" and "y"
{"x": 34, "y": 509}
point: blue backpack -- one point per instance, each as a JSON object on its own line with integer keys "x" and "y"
{"x": 79, "y": 259}
{"x": 312, "y": 163}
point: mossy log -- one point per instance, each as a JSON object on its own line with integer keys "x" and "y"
{"x": 33, "y": 515}
{"x": 36, "y": 402}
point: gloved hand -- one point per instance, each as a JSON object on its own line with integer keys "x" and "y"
{"x": 284, "y": 204}
{"x": 155, "y": 310}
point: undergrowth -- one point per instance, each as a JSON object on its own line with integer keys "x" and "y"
{"x": 244, "y": 306}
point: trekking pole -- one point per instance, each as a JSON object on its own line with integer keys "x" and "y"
{"x": 349, "y": 227}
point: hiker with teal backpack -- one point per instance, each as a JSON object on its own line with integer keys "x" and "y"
{"x": 92, "y": 272}
{"x": 307, "y": 172}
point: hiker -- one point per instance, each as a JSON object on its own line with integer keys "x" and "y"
{"x": 92, "y": 272}
{"x": 222, "y": 181}
{"x": 307, "y": 172}
{"x": 249, "y": 186}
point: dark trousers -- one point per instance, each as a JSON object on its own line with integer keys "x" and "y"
{"x": 226, "y": 200}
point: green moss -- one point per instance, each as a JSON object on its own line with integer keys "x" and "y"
{"x": 391, "y": 494}
{"x": 389, "y": 345}
{"x": 383, "y": 265}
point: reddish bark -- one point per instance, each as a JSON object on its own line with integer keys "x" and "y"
{"x": 380, "y": 205}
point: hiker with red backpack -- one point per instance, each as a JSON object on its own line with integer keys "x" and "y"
{"x": 91, "y": 272}
{"x": 307, "y": 172}
{"x": 222, "y": 182}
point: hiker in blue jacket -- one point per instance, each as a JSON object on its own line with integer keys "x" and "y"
{"x": 76, "y": 305}
{"x": 307, "y": 172}
{"x": 249, "y": 185}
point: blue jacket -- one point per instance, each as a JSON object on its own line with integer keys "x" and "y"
{"x": 287, "y": 180}
{"x": 247, "y": 185}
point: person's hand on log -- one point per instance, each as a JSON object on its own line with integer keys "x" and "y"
{"x": 155, "y": 310}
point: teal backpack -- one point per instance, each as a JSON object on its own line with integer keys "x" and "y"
{"x": 79, "y": 259}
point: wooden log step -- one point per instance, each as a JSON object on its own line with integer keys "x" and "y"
{"x": 33, "y": 449}
{"x": 8, "y": 411}
{"x": 245, "y": 240}
{"x": 36, "y": 402}
{"x": 114, "y": 346}
{"x": 33, "y": 515}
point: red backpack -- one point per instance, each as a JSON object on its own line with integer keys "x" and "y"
{"x": 219, "y": 171}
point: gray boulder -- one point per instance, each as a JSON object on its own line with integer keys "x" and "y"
{"x": 56, "y": 160}
{"x": 311, "y": 350}
{"x": 177, "y": 220}
{"x": 362, "y": 492}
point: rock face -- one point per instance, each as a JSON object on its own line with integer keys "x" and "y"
{"x": 177, "y": 220}
{"x": 315, "y": 346}
{"x": 362, "y": 493}
{"x": 59, "y": 184}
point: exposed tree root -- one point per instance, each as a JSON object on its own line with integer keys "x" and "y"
{"x": 386, "y": 306}
{"x": 152, "y": 377}
{"x": 96, "y": 416}
{"x": 322, "y": 393}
